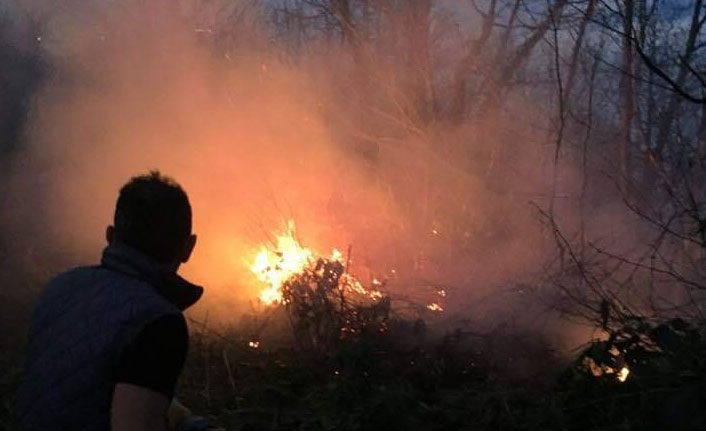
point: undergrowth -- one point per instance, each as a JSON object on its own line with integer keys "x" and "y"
{"x": 407, "y": 379}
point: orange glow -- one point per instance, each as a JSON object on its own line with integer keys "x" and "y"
{"x": 351, "y": 284}
{"x": 623, "y": 374}
{"x": 274, "y": 267}
{"x": 435, "y": 306}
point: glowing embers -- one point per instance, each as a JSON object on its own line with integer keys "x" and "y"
{"x": 435, "y": 306}
{"x": 351, "y": 285}
{"x": 621, "y": 372}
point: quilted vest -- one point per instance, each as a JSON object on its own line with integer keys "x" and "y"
{"x": 83, "y": 322}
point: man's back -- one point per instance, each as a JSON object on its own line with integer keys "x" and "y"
{"x": 84, "y": 321}
{"x": 107, "y": 343}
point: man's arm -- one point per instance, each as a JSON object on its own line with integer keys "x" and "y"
{"x": 138, "y": 409}
{"x": 147, "y": 374}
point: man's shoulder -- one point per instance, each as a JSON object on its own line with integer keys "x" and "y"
{"x": 94, "y": 275}
{"x": 97, "y": 280}
{"x": 73, "y": 280}
{"x": 69, "y": 280}
{"x": 78, "y": 273}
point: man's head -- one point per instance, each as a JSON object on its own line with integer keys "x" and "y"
{"x": 153, "y": 215}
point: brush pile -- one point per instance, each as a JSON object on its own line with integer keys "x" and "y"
{"x": 646, "y": 374}
{"x": 326, "y": 307}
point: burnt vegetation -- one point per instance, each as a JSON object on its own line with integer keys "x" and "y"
{"x": 617, "y": 94}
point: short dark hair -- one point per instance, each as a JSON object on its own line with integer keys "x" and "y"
{"x": 153, "y": 215}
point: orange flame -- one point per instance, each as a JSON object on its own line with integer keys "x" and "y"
{"x": 623, "y": 374}
{"x": 275, "y": 266}
{"x": 435, "y": 306}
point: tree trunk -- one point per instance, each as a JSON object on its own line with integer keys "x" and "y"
{"x": 470, "y": 61}
{"x": 573, "y": 65}
{"x": 670, "y": 111}
{"x": 502, "y": 79}
{"x": 665, "y": 125}
{"x": 626, "y": 96}
{"x": 420, "y": 56}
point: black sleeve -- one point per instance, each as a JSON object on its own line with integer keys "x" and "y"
{"x": 155, "y": 357}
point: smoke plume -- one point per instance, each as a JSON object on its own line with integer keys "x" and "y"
{"x": 257, "y": 137}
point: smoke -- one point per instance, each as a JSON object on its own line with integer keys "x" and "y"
{"x": 257, "y": 138}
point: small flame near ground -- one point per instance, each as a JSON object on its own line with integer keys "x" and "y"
{"x": 623, "y": 374}
{"x": 435, "y": 306}
{"x": 254, "y": 344}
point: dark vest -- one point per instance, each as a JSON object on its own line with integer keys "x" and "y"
{"x": 84, "y": 320}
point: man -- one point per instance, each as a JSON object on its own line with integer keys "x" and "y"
{"x": 107, "y": 343}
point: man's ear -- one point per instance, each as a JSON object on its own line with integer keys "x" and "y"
{"x": 110, "y": 234}
{"x": 188, "y": 248}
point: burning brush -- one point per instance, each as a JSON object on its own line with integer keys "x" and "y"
{"x": 324, "y": 302}
{"x": 274, "y": 267}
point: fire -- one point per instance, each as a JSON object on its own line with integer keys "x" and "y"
{"x": 351, "y": 284}
{"x": 598, "y": 370}
{"x": 274, "y": 267}
{"x": 435, "y": 306}
{"x": 623, "y": 374}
